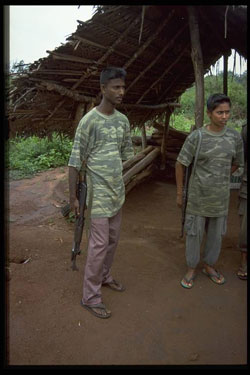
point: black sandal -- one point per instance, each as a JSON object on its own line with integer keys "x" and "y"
{"x": 100, "y": 306}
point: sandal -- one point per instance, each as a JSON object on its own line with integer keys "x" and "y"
{"x": 100, "y": 306}
{"x": 115, "y": 286}
{"x": 187, "y": 283}
{"x": 242, "y": 273}
{"x": 216, "y": 277}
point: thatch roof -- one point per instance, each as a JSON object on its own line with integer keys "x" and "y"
{"x": 152, "y": 43}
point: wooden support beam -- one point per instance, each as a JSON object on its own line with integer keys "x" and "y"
{"x": 225, "y": 73}
{"x": 87, "y": 41}
{"x": 153, "y": 106}
{"x": 150, "y": 40}
{"x": 196, "y": 54}
{"x": 59, "y": 72}
{"x": 157, "y": 58}
{"x": 66, "y": 92}
{"x": 143, "y": 137}
{"x": 162, "y": 75}
{"x": 100, "y": 61}
{"x": 61, "y": 56}
{"x": 173, "y": 81}
{"x": 164, "y": 139}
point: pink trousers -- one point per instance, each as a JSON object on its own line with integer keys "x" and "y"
{"x": 103, "y": 240}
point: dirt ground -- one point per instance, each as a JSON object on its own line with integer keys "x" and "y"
{"x": 154, "y": 322}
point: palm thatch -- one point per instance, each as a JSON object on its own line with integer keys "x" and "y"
{"x": 151, "y": 42}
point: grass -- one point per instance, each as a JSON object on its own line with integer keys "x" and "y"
{"x": 25, "y": 157}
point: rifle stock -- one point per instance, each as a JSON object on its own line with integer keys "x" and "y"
{"x": 79, "y": 224}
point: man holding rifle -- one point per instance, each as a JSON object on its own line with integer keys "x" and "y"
{"x": 102, "y": 142}
{"x": 220, "y": 153}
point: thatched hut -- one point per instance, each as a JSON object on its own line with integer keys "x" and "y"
{"x": 165, "y": 49}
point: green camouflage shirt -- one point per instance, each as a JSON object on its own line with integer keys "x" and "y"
{"x": 209, "y": 186}
{"x": 103, "y": 142}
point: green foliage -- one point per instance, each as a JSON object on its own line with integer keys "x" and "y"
{"x": 183, "y": 117}
{"x": 27, "y": 156}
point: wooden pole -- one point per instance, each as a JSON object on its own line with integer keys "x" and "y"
{"x": 196, "y": 54}
{"x": 143, "y": 137}
{"x": 142, "y": 164}
{"x": 164, "y": 140}
{"x": 225, "y": 73}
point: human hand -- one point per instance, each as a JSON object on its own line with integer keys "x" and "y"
{"x": 75, "y": 207}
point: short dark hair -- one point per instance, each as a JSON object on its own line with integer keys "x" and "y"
{"x": 216, "y": 99}
{"x": 112, "y": 72}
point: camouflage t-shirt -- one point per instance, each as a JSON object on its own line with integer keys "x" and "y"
{"x": 103, "y": 142}
{"x": 209, "y": 185}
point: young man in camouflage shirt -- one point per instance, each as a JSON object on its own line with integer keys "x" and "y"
{"x": 220, "y": 154}
{"x": 102, "y": 142}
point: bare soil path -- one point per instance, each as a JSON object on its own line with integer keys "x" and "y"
{"x": 154, "y": 322}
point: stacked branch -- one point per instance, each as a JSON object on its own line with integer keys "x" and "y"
{"x": 174, "y": 141}
{"x": 140, "y": 167}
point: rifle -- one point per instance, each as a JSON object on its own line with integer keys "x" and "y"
{"x": 79, "y": 223}
{"x": 188, "y": 171}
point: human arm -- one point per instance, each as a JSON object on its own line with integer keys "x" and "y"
{"x": 77, "y": 159}
{"x": 238, "y": 160}
{"x": 73, "y": 180}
